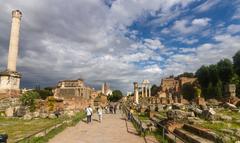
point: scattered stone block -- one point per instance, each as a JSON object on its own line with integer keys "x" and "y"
{"x": 27, "y": 117}
{"x": 9, "y": 112}
{"x": 208, "y": 114}
{"x": 225, "y": 118}
{"x": 229, "y": 105}
{"x": 179, "y": 115}
{"x": 227, "y": 131}
{"x": 52, "y": 116}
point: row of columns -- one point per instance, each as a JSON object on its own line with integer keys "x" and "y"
{"x": 146, "y": 91}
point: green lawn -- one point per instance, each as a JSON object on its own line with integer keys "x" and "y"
{"x": 18, "y": 128}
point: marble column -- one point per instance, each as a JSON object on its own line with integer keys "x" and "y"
{"x": 146, "y": 91}
{"x": 14, "y": 40}
{"x": 136, "y": 98}
{"x": 149, "y": 91}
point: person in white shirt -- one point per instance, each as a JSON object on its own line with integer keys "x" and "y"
{"x": 100, "y": 114}
{"x": 89, "y": 113}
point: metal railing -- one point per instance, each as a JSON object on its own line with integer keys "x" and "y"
{"x": 165, "y": 131}
{"x": 136, "y": 122}
{"x": 40, "y": 133}
{"x": 143, "y": 130}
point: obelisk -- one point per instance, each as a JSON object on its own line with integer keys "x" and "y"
{"x": 14, "y": 40}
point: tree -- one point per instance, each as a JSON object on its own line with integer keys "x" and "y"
{"x": 154, "y": 90}
{"x": 202, "y": 75}
{"x": 236, "y": 63}
{"x": 213, "y": 74}
{"x": 187, "y": 74}
{"x": 188, "y": 91}
{"x": 116, "y": 96}
{"x": 28, "y": 99}
{"x": 43, "y": 93}
{"x": 225, "y": 70}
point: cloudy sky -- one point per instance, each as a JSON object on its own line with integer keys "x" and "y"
{"x": 118, "y": 41}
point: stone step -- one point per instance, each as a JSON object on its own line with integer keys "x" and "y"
{"x": 171, "y": 138}
{"x": 202, "y": 132}
{"x": 190, "y": 137}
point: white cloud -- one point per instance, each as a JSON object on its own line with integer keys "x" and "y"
{"x": 153, "y": 44}
{"x": 207, "y": 5}
{"x": 186, "y": 26}
{"x": 201, "y": 21}
{"x": 233, "y": 28}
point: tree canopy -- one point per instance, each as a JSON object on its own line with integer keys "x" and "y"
{"x": 236, "y": 63}
{"x": 116, "y": 96}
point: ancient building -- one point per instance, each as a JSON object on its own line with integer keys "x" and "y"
{"x": 68, "y": 89}
{"x": 170, "y": 89}
{"x": 75, "y": 94}
{"x": 10, "y": 78}
{"x": 175, "y": 84}
{"x": 106, "y": 89}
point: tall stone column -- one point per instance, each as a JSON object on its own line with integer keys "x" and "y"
{"x": 142, "y": 92}
{"x": 146, "y": 91}
{"x": 149, "y": 91}
{"x": 136, "y": 98}
{"x": 14, "y": 40}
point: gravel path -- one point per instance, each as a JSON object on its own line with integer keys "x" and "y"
{"x": 113, "y": 129}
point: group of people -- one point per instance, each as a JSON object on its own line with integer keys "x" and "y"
{"x": 89, "y": 113}
{"x": 111, "y": 109}
{"x": 108, "y": 109}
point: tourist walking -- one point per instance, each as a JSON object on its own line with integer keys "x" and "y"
{"x": 115, "y": 109}
{"x": 89, "y": 113}
{"x": 100, "y": 114}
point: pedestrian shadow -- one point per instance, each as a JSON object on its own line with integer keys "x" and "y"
{"x": 131, "y": 130}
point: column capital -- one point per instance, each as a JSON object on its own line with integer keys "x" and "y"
{"x": 16, "y": 14}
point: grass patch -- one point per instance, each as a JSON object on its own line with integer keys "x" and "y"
{"x": 158, "y": 135}
{"x": 17, "y": 128}
{"x": 74, "y": 120}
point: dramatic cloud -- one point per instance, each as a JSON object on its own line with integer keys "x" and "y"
{"x": 118, "y": 41}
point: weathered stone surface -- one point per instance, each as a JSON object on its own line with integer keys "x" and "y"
{"x": 43, "y": 115}
{"x": 229, "y": 105}
{"x": 20, "y": 111}
{"x": 197, "y": 111}
{"x": 52, "y": 116}
{"x": 69, "y": 113}
{"x": 9, "y": 112}
{"x": 225, "y": 139}
{"x": 227, "y": 131}
{"x": 237, "y": 133}
{"x": 208, "y": 114}
{"x": 213, "y": 102}
{"x": 36, "y": 114}
{"x": 225, "y": 118}
{"x": 203, "y": 107}
{"x": 178, "y": 106}
{"x": 27, "y": 117}
{"x": 194, "y": 120}
{"x": 179, "y": 115}
{"x": 168, "y": 107}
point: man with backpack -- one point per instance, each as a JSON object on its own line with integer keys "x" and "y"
{"x": 89, "y": 113}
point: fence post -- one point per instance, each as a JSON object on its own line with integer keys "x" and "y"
{"x": 163, "y": 134}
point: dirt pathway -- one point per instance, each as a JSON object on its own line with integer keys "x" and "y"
{"x": 113, "y": 129}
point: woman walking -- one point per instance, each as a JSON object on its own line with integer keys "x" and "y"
{"x": 100, "y": 114}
